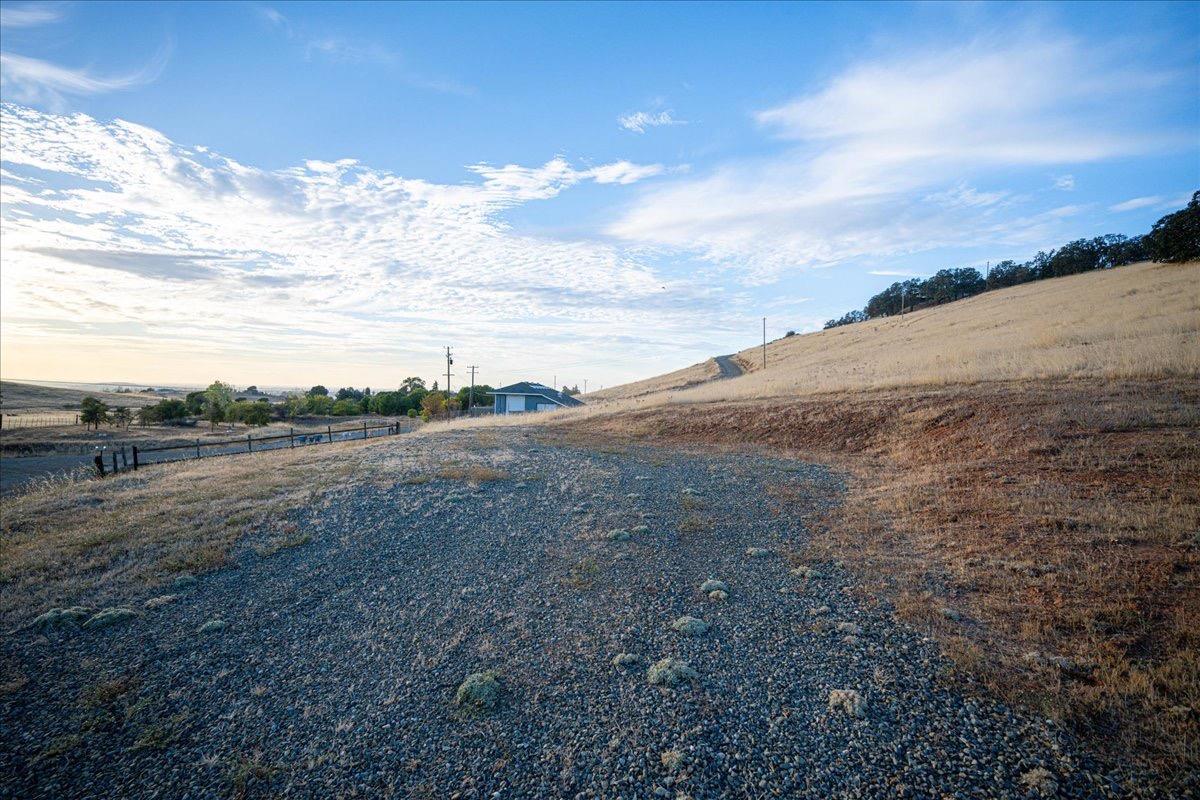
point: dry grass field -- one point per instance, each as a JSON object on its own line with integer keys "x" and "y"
{"x": 1139, "y": 321}
{"x": 1142, "y": 320}
{"x": 26, "y": 397}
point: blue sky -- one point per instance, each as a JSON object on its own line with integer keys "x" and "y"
{"x": 291, "y": 193}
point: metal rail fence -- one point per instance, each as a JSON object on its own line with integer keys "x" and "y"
{"x": 122, "y": 459}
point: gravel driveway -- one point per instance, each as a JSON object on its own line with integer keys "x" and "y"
{"x": 344, "y": 641}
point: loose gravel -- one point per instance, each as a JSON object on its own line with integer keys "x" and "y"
{"x": 332, "y": 668}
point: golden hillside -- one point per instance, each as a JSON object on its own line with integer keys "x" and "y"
{"x": 1139, "y": 321}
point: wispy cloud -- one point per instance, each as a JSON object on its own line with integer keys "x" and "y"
{"x": 31, "y": 80}
{"x": 639, "y": 121}
{"x": 194, "y": 245}
{"x": 349, "y": 50}
{"x": 894, "y": 273}
{"x": 1065, "y": 183}
{"x": 29, "y": 15}
{"x": 1136, "y": 203}
{"x": 877, "y": 161}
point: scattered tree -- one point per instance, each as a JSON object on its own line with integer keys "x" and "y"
{"x": 93, "y": 412}
{"x": 218, "y": 397}
{"x": 318, "y": 390}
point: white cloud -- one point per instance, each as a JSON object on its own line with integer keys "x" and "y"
{"x": 325, "y": 260}
{"x": 639, "y": 121}
{"x": 623, "y": 172}
{"x": 1136, "y": 203}
{"x": 893, "y": 273}
{"x": 1065, "y": 183}
{"x": 876, "y": 162}
{"x": 29, "y": 15}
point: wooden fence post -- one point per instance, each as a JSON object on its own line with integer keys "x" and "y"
{"x": 197, "y": 448}
{"x": 114, "y": 457}
{"x": 249, "y": 444}
{"x": 292, "y": 436}
{"x": 135, "y": 461}
{"x": 329, "y": 430}
{"x": 99, "y": 460}
{"x": 364, "y": 429}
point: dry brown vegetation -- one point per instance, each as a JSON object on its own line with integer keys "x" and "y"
{"x": 1054, "y": 517}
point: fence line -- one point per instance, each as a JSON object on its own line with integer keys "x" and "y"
{"x": 47, "y": 419}
{"x": 121, "y": 460}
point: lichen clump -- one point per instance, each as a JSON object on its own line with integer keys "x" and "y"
{"x": 109, "y": 616}
{"x": 847, "y": 701}
{"x": 808, "y": 573}
{"x": 479, "y": 692}
{"x": 161, "y": 600}
{"x": 757, "y": 552}
{"x": 713, "y": 585}
{"x": 1041, "y": 780}
{"x": 618, "y": 535}
{"x": 718, "y": 596}
{"x": 690, "y": 625}
{"x": 58, "y": 617}
{"x": 622, "y": 660}
{"x": 213, "y": 625}
{"x": 670, "y": 672}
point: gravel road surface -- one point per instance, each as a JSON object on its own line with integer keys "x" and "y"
{"x": 729, "y": 368}
{"x": 327, "y": 663}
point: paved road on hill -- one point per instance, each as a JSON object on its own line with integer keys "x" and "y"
{"x": 729, "y": 367}
{"x": 329, "y": 666}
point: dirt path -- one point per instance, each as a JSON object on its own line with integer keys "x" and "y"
{"x": 325, "y": 661}
{"x": 729, "y": 367}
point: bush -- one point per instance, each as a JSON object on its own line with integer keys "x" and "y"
{"x": 320, "y": 404}
{"x": 346, "y": 408}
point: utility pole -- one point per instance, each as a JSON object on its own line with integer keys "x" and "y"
{"x": 764, "y": 342}
{"x": 471, "y": 394}
{"x": 449, "y": 361}
{"x": 585, "y": 385}
{"x": 902, "y": 299}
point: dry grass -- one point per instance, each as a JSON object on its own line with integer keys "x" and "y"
{"x": 1057, "y": 517}
{"x": 679, "y": 379}
{"x": 16, "y": 397}
{"x": 96, "y": 541}
{"x": 1139, "y": 321}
